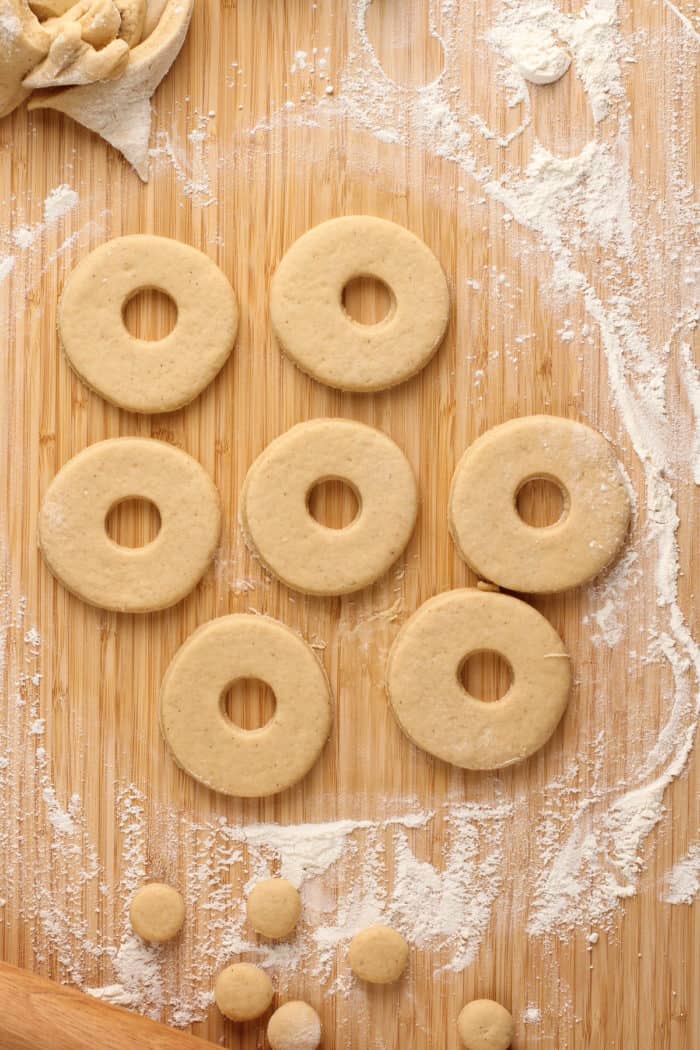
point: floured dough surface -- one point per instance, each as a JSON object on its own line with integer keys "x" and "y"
{"x": 203, "y": 740}
{"x": 243, "y": 992}
{"x": 273, "y": 908}
{"x": 308, "y": 317}
{"x": 299, "y": 550}
{"x": 378, "y": 955}
{"x": 73, "y": 535}
{"x": 485, "y": 1025}
{"x": 295, "y": 1026}
{"x": 440, "y": 716}
{"x": 502, "y": 548}
{"x": 157, "y": 912}
{"x": 136, "y": 374}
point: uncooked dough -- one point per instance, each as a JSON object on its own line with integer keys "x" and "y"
{"x": 157, "y": 912}
{"x": 295, "y": 1026}
{"x": 273, "y": 908}
{"x": 74, "y": 540}
{"x": 305, "y": 554}
{"x": 438, "y": 714}
{"x": 306, "y": 303}
{"x": 203, "y": 740}
{"x": 492, "y": 537}
{"x": 485, "y": 1025}
{"x": 137, "y": 374}
{"x": 378, "y": 955}
{"x": 243, "y": 992}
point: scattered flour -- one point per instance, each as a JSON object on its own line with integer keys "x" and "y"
{"x": 683, "y": 881}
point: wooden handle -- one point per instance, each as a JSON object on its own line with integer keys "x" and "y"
{"x": 36, "y": 1014}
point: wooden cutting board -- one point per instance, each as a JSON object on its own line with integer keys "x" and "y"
{"x": 243, "y": 197}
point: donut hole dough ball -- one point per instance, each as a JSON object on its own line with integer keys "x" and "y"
{"x": 485, "y": 1025}
{"x": 157, "y": 912}
{"x": 294, "y": 1026}
{"x": 315, "y": 330}
{"x": 273, "y": 908}
{"x": 243, "y": 992}
{"x": 206, "y": 743}
{"x": 378, "y": 955}
{"x": 137, "y": 374}
{"x": 428, "y": 697}
{"x": 305, "y": 554}
{"x": 492, "y": 537}
{"x": 74, "y": 514}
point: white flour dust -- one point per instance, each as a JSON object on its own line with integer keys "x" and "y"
{"x": 585, "y": 847}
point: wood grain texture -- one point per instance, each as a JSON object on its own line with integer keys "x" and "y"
{"x": 101, "y": 672}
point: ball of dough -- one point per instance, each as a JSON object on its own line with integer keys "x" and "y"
{"x": 378, "y": 955}
{"x": 295, "y": 1026}
{"x": 485, "y": 1025}
{"x": 243, "y": 992}
{"x": 274, "y": 907}
{"x": 157, "y": 912}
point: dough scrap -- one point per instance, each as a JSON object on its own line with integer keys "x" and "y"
{"x": 157, "y": 912}
{"x": 120, "y": 111}
{"x": 98, "y": 19}
{"x": 485, "y": 1025}
{"x": 294, "y": 1026}
{"x": 243, "y": 992}
{"x": 23, "y": 44}
{"x": 438, "y": 714}
{"x": 133, "y": 15}
{"x": 492, "y": 537}
{"x": 71, "y": 60}
{"x": 203, "y": 740}
{"x": 74, "y": 540}
{"x": 273, "y": 908}
{"x": 137, "y": 374}
{"x": 312, "y": 326}
{"x": 299, "y": 550}
{"x": 378, "y": 955}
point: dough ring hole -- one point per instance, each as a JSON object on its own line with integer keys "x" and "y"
{"x": 486, "y": 675}
{"x": 333, "y": 503}
{"x": 249, "y": 703}
{"x": 542, "y": 502}
{"x": 133, "y": 522}
{"x": 150, "y": 314}
{"x": 368, "y": 300}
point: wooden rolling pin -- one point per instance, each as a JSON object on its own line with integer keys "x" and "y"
{"x": 36, "y": 1014}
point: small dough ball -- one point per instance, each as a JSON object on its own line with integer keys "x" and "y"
{"x": 243, "y": 992}
{"x": 485, "y": 1025}
{"x": 295, "y": 1026}
{"x": 274, "y": 907}
{"x": 157, "y": 912}
{"x": 378, "y": 955}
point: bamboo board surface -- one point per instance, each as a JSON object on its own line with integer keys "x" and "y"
{"x": 100, "y": 672}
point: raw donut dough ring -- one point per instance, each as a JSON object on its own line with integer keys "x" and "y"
{"x": 494, "y": 540}
{"x": 138, "y": 374}
{"x": 203, "y": 740}
{"x": 80, "y": 553}
{"x": 304, "y": 554}
{"x": 438, "y": 714}
{"x": 157, "y": 912}
{"x": 484, "y": 1024}
{"x": 308, "y": 317}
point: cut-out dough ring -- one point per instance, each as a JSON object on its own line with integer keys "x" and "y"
{"x": 203, "y": 740}
{"x": 492, "y": 537}
{"x": 304, "y": 554}
{"x": 314, "y": 329}
{"x": 74, "y": 540}
{"x": 137, "y": 374}
{"x": 435, "y": 710}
